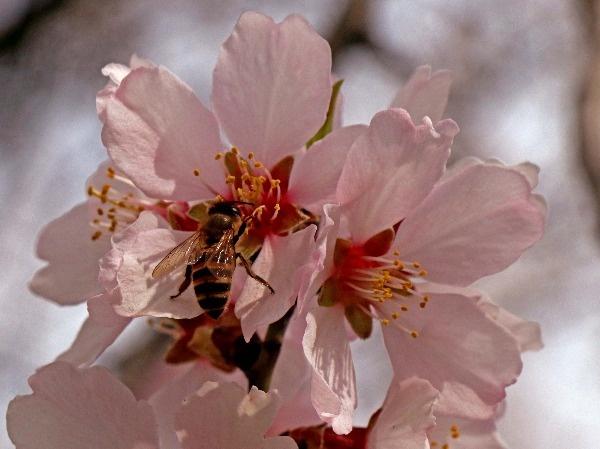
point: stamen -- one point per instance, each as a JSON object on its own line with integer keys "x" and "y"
{"x": 196, "y": 172}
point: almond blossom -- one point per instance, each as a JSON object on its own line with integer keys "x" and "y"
{"x": 272, "y": 87}
{"x": 74, "y": 408}
{"x": 73, "y": 243}
{"x": 406, "y": 232}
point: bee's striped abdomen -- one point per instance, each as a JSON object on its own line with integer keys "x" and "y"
{"x": 212, "y": 292}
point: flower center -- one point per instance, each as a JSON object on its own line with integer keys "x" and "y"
{"x": 250, "y": 181}
{"x": 374, "y": 286}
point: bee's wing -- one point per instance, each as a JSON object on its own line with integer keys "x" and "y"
{"x": 186, "y": 252}
{"x": 221, "y": 259}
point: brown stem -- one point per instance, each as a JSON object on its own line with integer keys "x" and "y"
{"x": 260, "y": 373}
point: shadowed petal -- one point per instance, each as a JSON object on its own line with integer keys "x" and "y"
{"x": 80, "y": 409}
{"x": 316, "y": 172}
{"x": 168, "y": 400}
{"x": 272, "y": 85}
{"x": 71, "y": 275}
{"x": 98, "y": 332}
{"x": 284, "y": 262}
{"x": 223, "y": 416}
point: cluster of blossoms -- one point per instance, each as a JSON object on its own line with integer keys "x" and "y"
{"x": 352, "y": 227}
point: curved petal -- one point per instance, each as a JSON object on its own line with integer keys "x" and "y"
{"x": 98, "y": 332}
{"x": 473, "y": 224}
{"x": 157, "y": 132}
{"x": 285, "y": 263}
{"x": 80, "y": 409}
{"x": 71, "y": 275}
{"x": 527, "y": 333}
{"x": 390, "y": 169}
{"x": 168, "y": 400}
{"x": 406, "y": 415}
{"x": 292, "y": 380}
{"x": 327, "y": 349}
{"x": 425, "y": 94}
{"x": 316, "y": 172}
{"x": 455, "y": 343}
{"x": 138, "y": 250}
{"x": 272, "y": 85}
{"x": 223, "y": 416}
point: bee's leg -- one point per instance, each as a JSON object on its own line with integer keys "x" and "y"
{"x": 186, "y": 281}
{"x": 252, "y": 274}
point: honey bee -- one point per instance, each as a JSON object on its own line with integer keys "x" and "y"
{"x": 210, "y": 258}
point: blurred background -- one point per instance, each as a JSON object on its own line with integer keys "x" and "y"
{"x": 527, "y": 87}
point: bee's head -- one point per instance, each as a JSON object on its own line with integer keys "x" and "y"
{"x": 227, "y": 208}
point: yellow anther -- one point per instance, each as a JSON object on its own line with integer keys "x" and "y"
{"x": 230, "y": 179}
{"x": 398, "y": 264}
{"x": 416, "y": 265}
{"x": 251, "y": 155}
{"x": 395, "y": 315}
{"x": 277, "y": 207}
{"x": 385, "y": 321}
{"x": 404, "y": 308}
{"x": 90, "y": 191}
{"x": 258, "y": 165}
{"x": 423, "y": 273}
{"x": 196, "y": 172}
{"x": 425, "y": 298}
{"x": 218, "y": 156}
{"x": 275, "y": 183}
{"x": 445, "y": 446}
{"x": 422, "y": 305}
{"x": 219, "y": 198}
{"x": 396, "y": 253}
{"x": 414, "y": 334}
{"x": 110, "y": 172}
{"x": 235, "y": 151}
{"x": 99, "y": 211}
{"x": 96, "y": 235}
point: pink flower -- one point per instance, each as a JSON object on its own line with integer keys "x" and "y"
{"x": 406, "y": 232}
{"x": 271, "y": 91}
{"x": 73, "y": 243}
{"x": 74, "y": 408}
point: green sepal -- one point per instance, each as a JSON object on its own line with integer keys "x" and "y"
{"x": 327, "y": 126}
{"x": 327, "y": 295}
{"x": 360, "y": 321}
{"x": 199, "y": 212}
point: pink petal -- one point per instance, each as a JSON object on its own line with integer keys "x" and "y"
{"x": 472, "y": 224}
{"x": 425, "y": 94}
{"x": 140, "y": 248}
{"x": 527, "y": 333}
{"x": 168, "y": 400}
{"x": 80, "y": 409}
{"x": 271, "y": 85}
{"x": 71, "y": 275}
{"x": 390, "y": 169}
{"x": 157, "y": 132}
{"x": 316, "y": 171}
{"x": 323, "y": 263}
{"x": 223, "y": 416}
{"x": 456, "y": 343}
{"x": 406, "y": 415}
{"x": 98, "y": 332}
{"x": 326, "y": 346}
{"x": 291, "y": 379}
{"x": 472, "y": 434}
{"x": 284, "y": 262}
